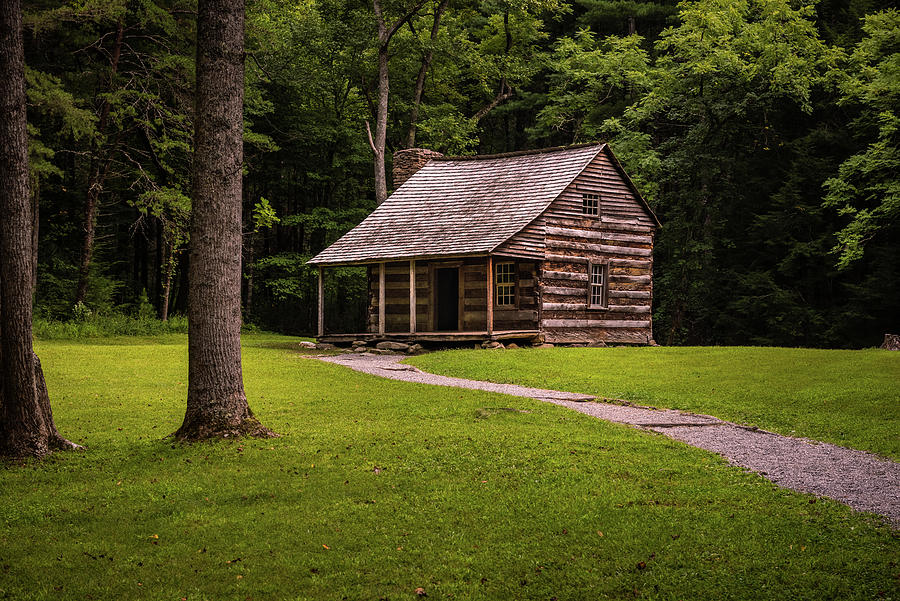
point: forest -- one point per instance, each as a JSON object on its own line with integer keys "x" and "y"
{"x": 765, "y": 134}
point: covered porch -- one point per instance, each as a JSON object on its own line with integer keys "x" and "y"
{"x": 411, "y": 337}
{"x": 444, "y": 299}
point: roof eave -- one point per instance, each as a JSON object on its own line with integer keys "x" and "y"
{"x": 633, "y": 188}
{"x": 397, "y": 259}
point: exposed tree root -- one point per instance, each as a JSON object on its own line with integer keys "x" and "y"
{"x": 36, "y": 436}
{"x": 196, "y": 428}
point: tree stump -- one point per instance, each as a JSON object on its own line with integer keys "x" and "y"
{"x": 891, "y": 342}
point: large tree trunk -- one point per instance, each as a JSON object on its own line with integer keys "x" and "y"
{"x": 26, "y": 422}
{"x": 216, "y": 403}
{"x": 35, "y": 226}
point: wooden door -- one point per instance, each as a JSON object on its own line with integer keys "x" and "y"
{"x": 447, "y": 298}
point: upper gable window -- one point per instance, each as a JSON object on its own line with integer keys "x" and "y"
{"x": 590, "y": 204}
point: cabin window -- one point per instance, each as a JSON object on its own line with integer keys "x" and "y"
{"x": 598, "y": 288}
{"x": 590, "y": 204}
{"x": 505, "y": 283}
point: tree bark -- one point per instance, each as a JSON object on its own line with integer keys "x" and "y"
{"x": 98, "y": 173}
{"x": 420, "y": 78}
{"x": 505, "y": 92}
{"x": 26, "y": 421}
{"x": 216, "y": 403}
{"x": 381, "y": 112}
{"x": 35, "y": 226}
{"x": 378, "y": 142}
{"x": 167, "y": 285}
{"x": 248, "y": 281}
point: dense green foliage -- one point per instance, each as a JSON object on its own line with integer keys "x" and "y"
{"x": 100, "y": 326}
{"x": 849, "y": 398}
{"x": 380, "y": 487}
{"x": 763, "y": 132}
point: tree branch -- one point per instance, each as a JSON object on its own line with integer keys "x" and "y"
{"x": 371, "y": 141}
{"x": 503, "y": 95}
{"x": 399, "y": 23}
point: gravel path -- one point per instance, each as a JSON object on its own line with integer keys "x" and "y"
{"x": 863, "y": 481}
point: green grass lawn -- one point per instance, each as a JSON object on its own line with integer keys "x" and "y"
{"x": 378, "y": 487}
{"x": 850, "y": 398}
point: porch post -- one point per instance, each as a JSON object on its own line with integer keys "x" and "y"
{"x": 490, "y": 295}
{"x": 381, "y": 300}
{"x": 412, "y": 296}
{"x": 321, "y": 327}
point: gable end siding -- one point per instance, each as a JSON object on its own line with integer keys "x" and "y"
{"x": 527, "y": 244}
{"x": 621, "y": 237}
{"x": 617, "y": 200}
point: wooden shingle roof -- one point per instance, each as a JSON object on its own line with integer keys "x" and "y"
{"x": 461, "y": 206}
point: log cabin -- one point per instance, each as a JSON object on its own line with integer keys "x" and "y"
{"x": 550, "y": 245}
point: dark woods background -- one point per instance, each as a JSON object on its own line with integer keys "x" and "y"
{"x": 763, "y": 132}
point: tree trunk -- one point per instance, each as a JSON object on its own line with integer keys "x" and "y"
{"x": 98, "y": 172}
{"x": 506, "y": 92}
{"x": 167, "y": 285}
{"x": 26, "y": 421}
{"x": 378, "y": 146}
{"x": 420, "y": 78}
{"x": 216, "y": 403}
{"x": 160, "y": 261}
{"x": 379, "y": 142}
{"x": 248, "y": 281}
{"x": 35, "y": 227}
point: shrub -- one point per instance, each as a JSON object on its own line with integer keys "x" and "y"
{"x": 93, "y": 325}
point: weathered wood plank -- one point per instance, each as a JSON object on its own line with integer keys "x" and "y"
{"x": 564, "y": 275}
{"x": 607, "y": 224}
{"x": 637, "y": 279}
{"x": 598, "y": 235}
{"x": 619, "y": 335}
{"x": 505, "y": 315}
{"x": 381, "y": 298}
{"x": 489, "y": 317}
{"x": 564, "y": 291}
{"x": 628, "y": 308}
{"x": 321, "y": 309}
{"x": 640, "y": 263}
{"x": 404, "y": 285}
{"x": 567, "y": 306}
{"x": 629, "y": 294}
{"x": 554, "y": 258}
{"x": 412, "y": 296}
{"x": 404, "y": 309}
{"x": 600, "y": 248}
{"x": 595, "y": 323}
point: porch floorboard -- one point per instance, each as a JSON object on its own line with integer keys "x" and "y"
{"x": 470, "y": 336}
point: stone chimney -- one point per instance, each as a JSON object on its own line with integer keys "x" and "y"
{"x": 410, "y": 160}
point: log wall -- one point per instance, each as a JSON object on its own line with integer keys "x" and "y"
{"x": 473, "y": 296}
{"x": 622, "y": 237}
{"x": 522, "y": 316}
{"x": 396, "y": 297}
